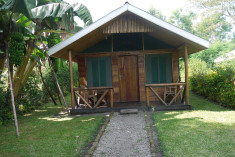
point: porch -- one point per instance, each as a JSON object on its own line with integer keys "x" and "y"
{"x": 154, "y": 106}
{"x": 101, "y": 100}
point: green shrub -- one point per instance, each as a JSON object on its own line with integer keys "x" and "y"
{"x": 63, "y": 76}
{"x": 217, "y": 85}
{"x": 30, "y": 96}
{"x": 195, "y": 65}
{"x": 5, "y": 109}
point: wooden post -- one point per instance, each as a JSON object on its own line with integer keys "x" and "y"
{"x": 111, "y": 98}
{"x": 147, "y": 95}
{"x": 186, "y": 75}
{"x": 11, "y": 90}
{"x": 71, "y": 80}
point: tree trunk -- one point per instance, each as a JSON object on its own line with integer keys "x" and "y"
{"x": 61, "y": 93}
{"x": 27, "y": 72}
{"x": 19, "y": 75}
{"x": 53, "y": 76}
{"x": 49, "y": 92}
{"x": 11, "y": 68}
{"x": 11, "y": 89}
{"x": 2, "y": 63}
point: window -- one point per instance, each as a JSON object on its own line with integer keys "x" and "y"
{"x": 158, "y": 68}
{"x": 99, "y": 71}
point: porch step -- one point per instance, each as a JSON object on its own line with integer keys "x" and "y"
{"x": 128, "y": 111}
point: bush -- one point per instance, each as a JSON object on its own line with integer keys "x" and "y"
{"x": 63, "y": 76}
{"x": 195, "y": 66}
{"x": 30, "y": 96}
{"x": 28, "y": 99}
{"x": 217, "y": 85}
{"x": 5, "y": 109}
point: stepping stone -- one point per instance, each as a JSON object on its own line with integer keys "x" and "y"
{"x": 128, "y": 111}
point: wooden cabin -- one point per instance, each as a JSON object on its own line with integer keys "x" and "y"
{"x": 129, "y": 56}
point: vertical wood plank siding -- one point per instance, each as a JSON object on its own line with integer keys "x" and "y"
{"x": 82, "y": 70}
{"x": 141, "y": 71}
{"x": 141, "y": 67}
{"x": 115, "y": 77}
{"x": 127, "y": 24}
{"x": 175, "y": 66}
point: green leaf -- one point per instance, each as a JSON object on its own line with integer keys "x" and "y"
{"x": 83, "y": 13}
{"x": 25, "y": 6}
{"x": 7, "y": 5}
{"x": 23, "y": 21}
{"x": 44, "y": 38}
{"x": 39, "y": 52}
{"x": 50, "y": 10}
{"x": 2, "y": 51}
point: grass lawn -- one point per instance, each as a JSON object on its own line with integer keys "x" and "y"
{"x": 42, "y": 135}
{"x": 208, "y": 130}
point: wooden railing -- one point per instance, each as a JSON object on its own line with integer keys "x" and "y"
{"x": 180, "y": 86}
{"x": 105, "y": 90}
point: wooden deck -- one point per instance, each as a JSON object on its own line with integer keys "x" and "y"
{"x": 158, "y": 106}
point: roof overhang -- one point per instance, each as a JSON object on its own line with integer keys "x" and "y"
{"x": 93, "y": 34}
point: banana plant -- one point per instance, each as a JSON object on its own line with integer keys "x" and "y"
{"x": 35, "y": 18}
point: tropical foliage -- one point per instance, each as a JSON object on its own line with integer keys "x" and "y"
{"x": 213, "y": 80}
{"x": 33, "y": 21}
{"x": 183, "y": 20}
{"x": 62, "y": 75}
{"x": 210, "y": 7}
{"x": 214, "y": 27}
{"x": 218, "y": 85}
{"x": 216, "y": 49}
{"x": 156, "y": 13}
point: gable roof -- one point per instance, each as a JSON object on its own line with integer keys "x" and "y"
{"x": 173, "y": 33}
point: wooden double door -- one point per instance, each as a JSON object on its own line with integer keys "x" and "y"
{"x": 128, "y": 78}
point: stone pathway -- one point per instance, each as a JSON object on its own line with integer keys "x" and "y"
{"x": 125, "y": 136}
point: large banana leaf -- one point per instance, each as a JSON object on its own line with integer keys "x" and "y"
{"x": 41, "y": 9}
{"x": 62, "y": 9}
{"x": 6, "y": 5}
{"x": 83, "y": 13}
{"x": 50, "y": 10}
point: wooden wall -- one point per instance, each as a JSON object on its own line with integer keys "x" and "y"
{"x": 115, "y": 77}
{"x": 141, "y": 67}
{"x": 175, "y": 66}
{"x": 127, "y": 24}
{"x": 141, "y": 71}
{"x": 82, "y": 70}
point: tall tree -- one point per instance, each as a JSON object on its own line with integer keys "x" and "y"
{"x": 214, "y": 27}
{"x": 223, "y": 7}
{"x": 153, "y": 11}
{"x": 183, "y": 20}
{"x": 216, "y": 49}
